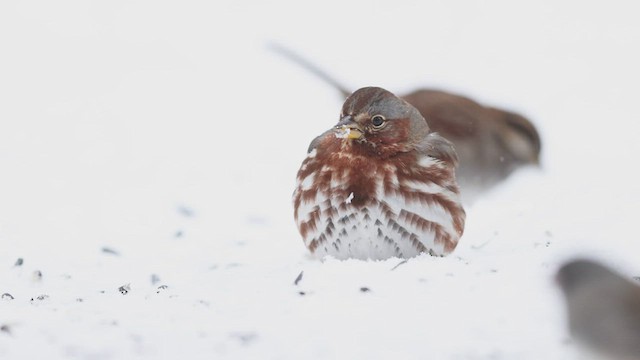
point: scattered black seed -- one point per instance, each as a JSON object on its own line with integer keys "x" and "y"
{"x": 178, "y": 234}
{"x": 110, "y": 251}
{"x": 124, "y": 289}
{"x": 7, "y": 296}
{"x": 37, "y": 275}
{"x": 400, "y": 263}
{"x": 302, "y": 293}
{"x": 19, "y": 262}
{"x": 493, "y": 270}
{"x": 161, "y": 287}
{"x": 5, "y": 328}
{"x": 364, "y": 289}
{"x": 185, "y": 211}
{"x": 298, "y": 278}
{"x": 155, "y": 279}
{"x": 79, "y": 300}
{"x": 102, "y": 291}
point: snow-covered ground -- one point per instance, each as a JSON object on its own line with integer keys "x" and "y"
{"x": 153, "y": 146}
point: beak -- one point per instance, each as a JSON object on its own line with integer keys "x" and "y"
{"x": 348, "y": 129}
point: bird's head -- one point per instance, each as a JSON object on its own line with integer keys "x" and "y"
{"x": 376, "y": 121}
{"x": 519, "y": 137}
{"x": 578, "y": 273}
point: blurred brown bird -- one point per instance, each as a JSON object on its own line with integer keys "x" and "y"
{"x": 603, "y": 309}
{"x": 491, "y": 143}
{"x": 379, "y": 184}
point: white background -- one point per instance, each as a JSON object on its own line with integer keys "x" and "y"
{"x": 169, "y": 133}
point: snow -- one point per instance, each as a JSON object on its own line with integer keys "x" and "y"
{"x": 343, "y": 132}
{"x": 142, "y": 145}
{"x": 349, "y": 198}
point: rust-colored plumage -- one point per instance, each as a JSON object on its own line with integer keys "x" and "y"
{"x": 491, "y": 143}
{"x": 380, "y": 184}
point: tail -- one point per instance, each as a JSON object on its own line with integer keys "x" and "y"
{"x": 307, "y": 65}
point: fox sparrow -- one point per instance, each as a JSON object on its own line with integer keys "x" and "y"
{"x": 379, "y": 184}
{"x": 491, "y": 143}
{"x": 603, "y": 309}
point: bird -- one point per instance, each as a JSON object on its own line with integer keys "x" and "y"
{"x": 491, "y": 143}
{"x": 603, "y": 309}
{"x": 379, "y": 184}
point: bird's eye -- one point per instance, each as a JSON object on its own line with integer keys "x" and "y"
{"x": 377, "y": 121}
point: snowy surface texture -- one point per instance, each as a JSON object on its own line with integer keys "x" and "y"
{"x": 148, "y": 153}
